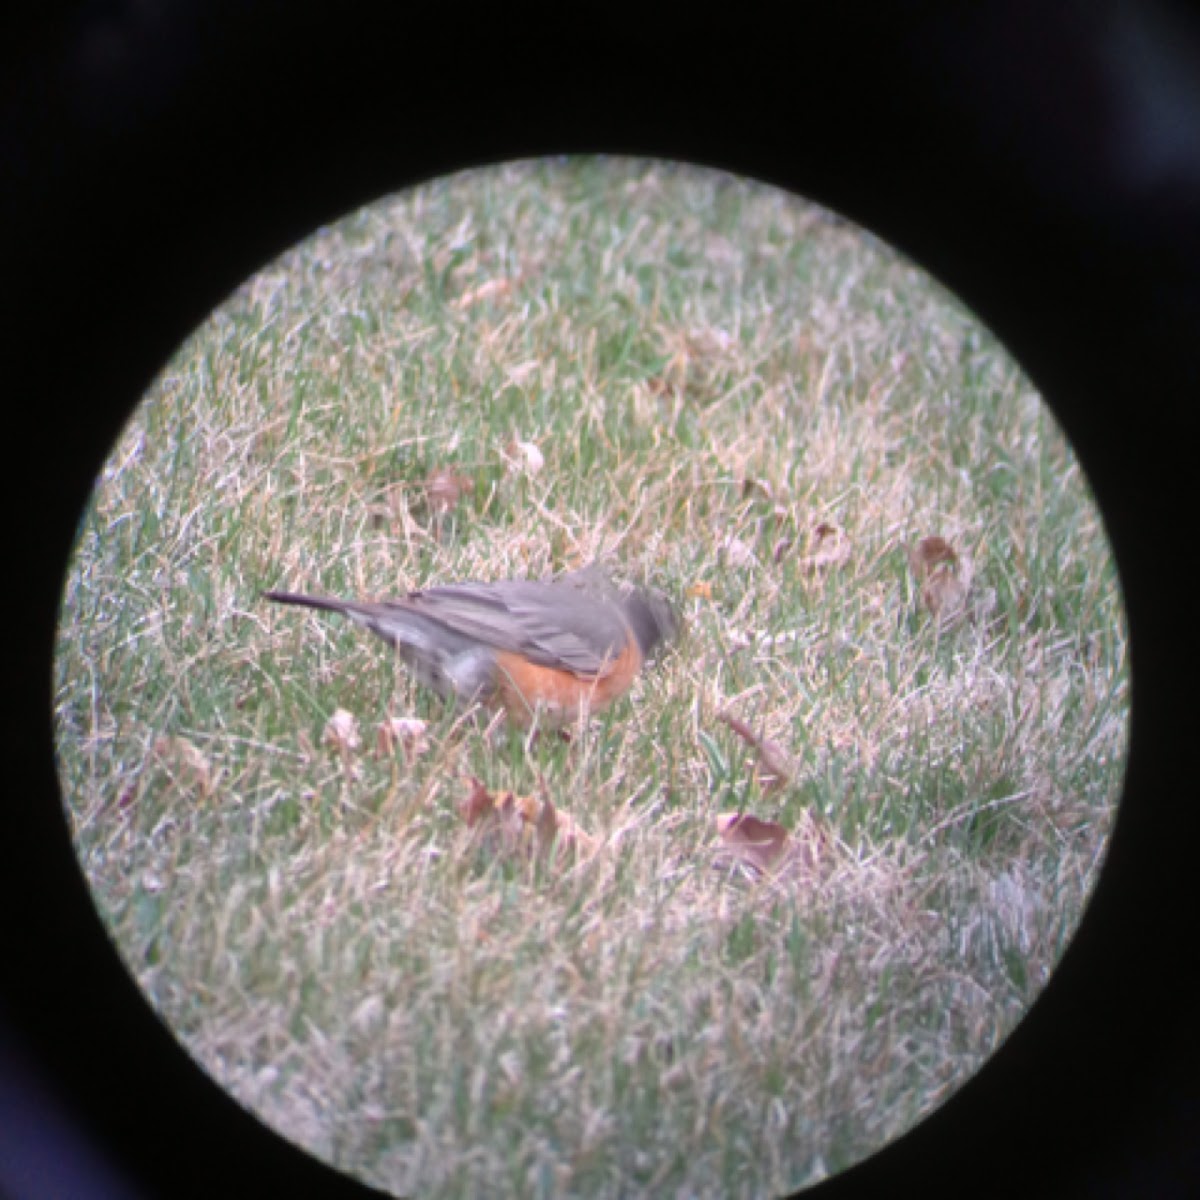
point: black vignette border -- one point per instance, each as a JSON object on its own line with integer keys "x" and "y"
{"x": 1040, "y": 164}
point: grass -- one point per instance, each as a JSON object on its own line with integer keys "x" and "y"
{"x": 710, "y": 371}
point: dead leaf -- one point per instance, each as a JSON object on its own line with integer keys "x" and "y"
{"x": 944, "y": 577}
{"x": 760, "y": 487}
{"x": 489, "y": 288}
{"x": 477, "y": 805}
{"x": 185, "y": 760}
{"x": 405, "y": 732}
{"x": 341, "y": 732}
{"x": 928, "y": 553}
{"x": 657, "y": 385}
{"x": 445, "y": 488}
{"x": 827, "y": 547}
{"x": 774, "y": 766}
{"x": 766, "y": 846}
{"x": 759, "y": 844}
{"x": 546, "y": 826}
{"x": 522, "y": 823}
{"x": 520, "y": 374}
{"x": 686, "y": 346}
{"x": 393, "y": 509}
{"x": 525, "y": 456}
{"x": 709, "y": 341}
{"x": 735, "y": 552}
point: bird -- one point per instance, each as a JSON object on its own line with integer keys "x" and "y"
{"x": 545, "y": 651}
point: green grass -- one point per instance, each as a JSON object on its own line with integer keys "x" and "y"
{"x": 698, "y": 360}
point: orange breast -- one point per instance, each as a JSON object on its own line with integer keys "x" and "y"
{"x": 524, "y": 687}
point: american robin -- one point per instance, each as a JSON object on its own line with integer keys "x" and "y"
{"x": 554, "y": 649}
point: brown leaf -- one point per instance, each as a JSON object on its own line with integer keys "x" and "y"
{"x": 760, "y": 844}
{"x": 520, "y": 373}
{"x": 773, "y": 765}
{"x": 185, "y": 760}
{"x": 827, "y": 547}
{"x": 522, "y": 823}
{"x": 944, "y": 577}
{"x": 767, "y": 846}
{"x": 405, "y": 732}
{"x": 474, "y": 807}
{"x": 341, "y": 732}
{"x": 395, "y": 508}
{"x": 709, "y": 341}
{"x": 489, "y": 287}
{"x": 760, "y": 487}
{"x": 735, "y": 552}
{"x": 445, "y": 488}
{"x": 657, "y": 385}
{"x": 546, "y": 827}
{"x": 525, "y": 456}
{"x": 928, "y": 553}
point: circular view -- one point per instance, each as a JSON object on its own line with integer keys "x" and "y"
{"x": 591, "y": 677}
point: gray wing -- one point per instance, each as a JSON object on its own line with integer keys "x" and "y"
{"x": 573, "y": 623}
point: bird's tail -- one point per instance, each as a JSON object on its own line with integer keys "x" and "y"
{"x": 443, "y": 659}
{"x": 325, "y": 602}
{"x": 414, "y": 633}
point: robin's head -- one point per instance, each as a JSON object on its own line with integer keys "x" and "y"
{"x": 652, "y": 618}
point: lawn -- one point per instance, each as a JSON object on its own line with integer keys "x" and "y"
{"x": 711, "y": 387}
